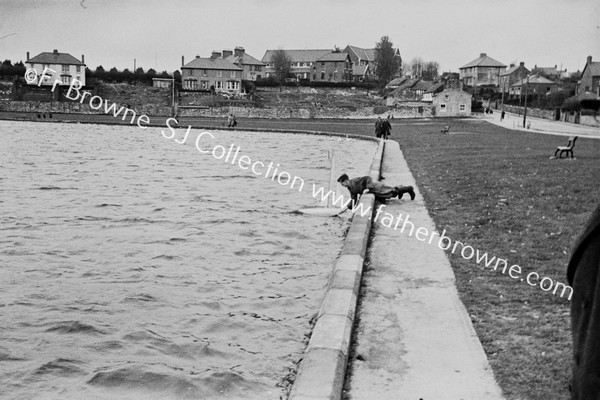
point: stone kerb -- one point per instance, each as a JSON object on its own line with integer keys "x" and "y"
{"x": 323, "y": 368}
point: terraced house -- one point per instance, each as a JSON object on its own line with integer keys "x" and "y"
{"x": 211, "y": 74}
{"x": 314, "y": 64}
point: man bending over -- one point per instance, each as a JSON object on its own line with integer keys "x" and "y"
{"x": 366, "y": 184}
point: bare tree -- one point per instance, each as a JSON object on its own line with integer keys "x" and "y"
{"x": 430, "y": 71}
{"x": 388, "y": 64}
{"x": 416, "y": 67}
{"x": 282, "y": 63}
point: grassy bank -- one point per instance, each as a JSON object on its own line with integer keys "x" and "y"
{"x": 497, "y": 191}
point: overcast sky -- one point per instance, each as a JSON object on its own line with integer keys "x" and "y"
{"x": 157, "y": 33}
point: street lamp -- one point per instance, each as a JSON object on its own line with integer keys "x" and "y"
{"x": 525, "y": 111}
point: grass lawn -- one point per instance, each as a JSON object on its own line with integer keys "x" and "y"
{"x": 497, "y": 191}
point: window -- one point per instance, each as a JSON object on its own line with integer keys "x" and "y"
{"x": 66, "y": 80}
{"x": 204, "y": 72}
{"x": 218, "y": 85}
{"x": 232, "y": 74}
{"x": 443, "y": 107}
{"x": 233, "y": 85}
{"x": 190, "y": 73}
{"x": 322, "y": 75}
{"x": 462, "y": 107}
{"x": 219, "y": 74}
{"x": 78, "y": 69}
{"x": 65, "y": 69}
{"x": 204, "y": 84}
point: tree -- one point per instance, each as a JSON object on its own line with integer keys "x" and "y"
{"x": 282, "y": 63}
{"x": 387, "y": 63}
{"x": 430, "y": 70}
{"x": 415, "y": 66}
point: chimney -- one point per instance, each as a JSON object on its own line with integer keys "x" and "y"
{"x": 482, "y": 55}
{"x": 239, "y": 51}
{"x": 197, "y": 56}
{"x": 27, "y": 56}
{"x": 82, "y": 59}
{"x": 182, "y": 61}
{"x": 512, "y": 65}
{"x": 55, "y": 51}
{"x": 589, "y": 59}
{"x": 227, "y": 53}
{"x": 522, "y": 63}
{"x": 215, "y": 54}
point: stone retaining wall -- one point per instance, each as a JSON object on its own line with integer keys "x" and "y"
{"x": 575, "y": 118}
{"x": 75, "y": 107}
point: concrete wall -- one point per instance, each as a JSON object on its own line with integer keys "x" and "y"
{"x": 575, "y": 118}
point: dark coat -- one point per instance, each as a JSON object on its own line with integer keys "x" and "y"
{"x": 583, "y": 274}
{"x": 358, "y": 185}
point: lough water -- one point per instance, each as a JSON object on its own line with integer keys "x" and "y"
{"x": 134, "y": 267}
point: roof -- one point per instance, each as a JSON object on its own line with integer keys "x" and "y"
{"x": 422, "y": 85}
{"x": 363, "y": 54}
{"x": 453, "y": 90}
{"x": 366, "y": 54}
{"x": 396, "y": 81}
{"x": 594, "y": 68}
{"x": 548, "y": 70}
{"x": 245, "y": 59}
{"x": 360, "y": 70}
{"x": 298, "y": 55}
{"x": 483, "y": 61}
{"x": 55, "y": 58}
{"x": 211, "y": 63}
{"x": 534, "y": 79}
{"x": 436, "y": 87}
{"x": 334, "y": 57}
{"x": 513, "y": 69}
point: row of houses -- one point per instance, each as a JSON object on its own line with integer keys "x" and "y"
{"x": 485, "y": 71}
{"x": 225, "y": 70}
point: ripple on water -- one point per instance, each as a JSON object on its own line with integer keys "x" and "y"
{"x": 138, "y": 268}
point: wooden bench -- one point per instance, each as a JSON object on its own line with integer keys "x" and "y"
{"x": 568, "y": 149}
{"x": 446, "y": 129}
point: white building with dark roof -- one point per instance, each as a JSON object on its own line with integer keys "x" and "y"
{"x": 61, "y": 66}
{"x": 482, "y": 71}
{"x": 211, "y": 74}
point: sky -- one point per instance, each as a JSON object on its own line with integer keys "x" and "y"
{"x": 156, "y": 34}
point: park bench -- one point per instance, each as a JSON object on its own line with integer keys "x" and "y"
{"x": 568, "y": 149}
{"x": 446, "y": 129}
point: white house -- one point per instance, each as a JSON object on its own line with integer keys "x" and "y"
{"x": 64, "y": 68}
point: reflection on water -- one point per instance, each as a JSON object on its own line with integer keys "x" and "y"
{"x": 135, "y": 267}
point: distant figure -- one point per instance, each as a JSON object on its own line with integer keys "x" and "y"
{"x": 365, "y": 184}
{"x": 378, "y": 127}
{"x": 502, "y": 115}
{"x": 231, "y": 122}
{"x": 386, "y": 128}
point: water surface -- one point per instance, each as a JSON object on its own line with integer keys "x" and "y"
{"x": 134, "y": 267}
